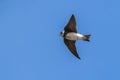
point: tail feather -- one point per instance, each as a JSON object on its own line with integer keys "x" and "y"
{"x": 87, "y": 37}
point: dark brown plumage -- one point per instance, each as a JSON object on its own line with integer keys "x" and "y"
{"x": 71, "y": 46}
{"x": 71, "y": 27}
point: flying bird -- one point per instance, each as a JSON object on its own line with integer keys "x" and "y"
{"x": 70, "y": 36}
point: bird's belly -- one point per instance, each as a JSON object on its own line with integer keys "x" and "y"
{"x": 74, "y": 36}
{"x": 71, "y": 36}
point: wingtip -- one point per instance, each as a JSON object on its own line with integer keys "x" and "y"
{"x": 78, "y": 57}
{"x": 72, "y": 15}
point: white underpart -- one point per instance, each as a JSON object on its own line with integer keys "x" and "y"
{"x": 62, "y": 33}
{"x": 74, "y": 36}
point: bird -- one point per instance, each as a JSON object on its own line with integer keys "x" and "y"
{"x": 70, "y": 36}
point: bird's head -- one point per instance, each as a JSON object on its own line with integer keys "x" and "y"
{"x": 62, "y": 33}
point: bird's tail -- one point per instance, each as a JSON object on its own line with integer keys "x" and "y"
{"x": 87, "y": 37}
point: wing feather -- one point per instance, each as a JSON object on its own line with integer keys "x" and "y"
{"x": 71, "y": 46}
{"x": 71, "y": 26}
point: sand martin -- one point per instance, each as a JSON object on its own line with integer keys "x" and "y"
{"x": 70, "y": 36}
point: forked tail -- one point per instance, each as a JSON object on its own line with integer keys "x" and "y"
{"x": 87, "y": 37}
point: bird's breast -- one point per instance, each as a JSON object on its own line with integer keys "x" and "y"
{"x": 73, "y": 36}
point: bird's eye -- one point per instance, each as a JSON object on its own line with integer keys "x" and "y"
{"x": 60, "y": 32}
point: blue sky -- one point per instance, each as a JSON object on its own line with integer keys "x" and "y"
{"x": 31, "y": 48}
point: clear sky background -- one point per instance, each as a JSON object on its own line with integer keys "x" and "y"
{"x": 31, "y": 48}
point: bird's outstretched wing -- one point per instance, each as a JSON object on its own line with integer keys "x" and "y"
{"x": 71, "y": 46}
{"x": 71, "y": 26}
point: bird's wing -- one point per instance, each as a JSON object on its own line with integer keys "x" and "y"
{"x": 71, "y": 46}
{"x": 71, "y": 26}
